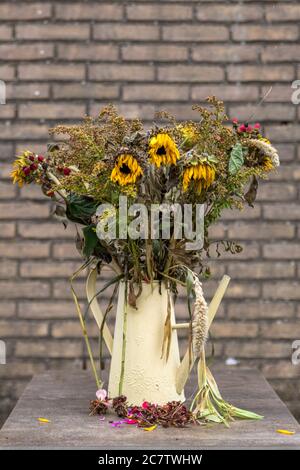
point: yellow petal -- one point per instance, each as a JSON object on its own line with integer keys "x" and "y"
{"x": 44, "y": 420}
{"x": 151, "y": 428}
{"x": 284, "y": 431}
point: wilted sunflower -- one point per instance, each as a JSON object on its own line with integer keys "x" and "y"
{"x": 163, "y": 150}
{"x": 201, "y": 176}
{"x": 126, "y": 170}
{"x": 18, "y": 175}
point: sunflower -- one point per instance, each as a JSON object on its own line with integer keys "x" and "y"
{"x": 201, "y": 176}
{"x": 163, "y": 150}
{"x": 18, "y": 175}
{"x": 126, "y": 170}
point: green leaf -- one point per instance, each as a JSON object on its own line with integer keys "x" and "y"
{"x": 90, "y": 240}
{"x": 80, "y": 209}
{"x": 236, "y": 159}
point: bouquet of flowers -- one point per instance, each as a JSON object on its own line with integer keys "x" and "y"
{"x": 97, "y": 170}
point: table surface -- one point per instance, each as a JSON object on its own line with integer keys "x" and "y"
{"x": 63, "y": 398}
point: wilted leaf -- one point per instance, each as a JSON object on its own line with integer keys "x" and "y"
{"x": 236, "y": 159}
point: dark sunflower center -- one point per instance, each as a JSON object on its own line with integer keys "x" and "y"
{"x": 125, "y": 169}
{"x": 161, "y": 150}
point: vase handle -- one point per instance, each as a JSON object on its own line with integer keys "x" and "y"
{"x": 187, "y": 362}
{"x": 95, "y": 308}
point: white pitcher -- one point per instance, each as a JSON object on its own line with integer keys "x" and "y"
{"x": 147, "y": 375}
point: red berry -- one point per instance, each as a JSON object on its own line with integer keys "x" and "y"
{"x": 33, "y": 166}
{"x": 242, "y": 128}
{"x": 40, "y": 158}
{"x": 31, "y": 158}
{"x": 248, "y": 129}
{"x": 67, "y": 171}
{"x": 26, "y": 170}
{"x": 50, "y": 193}
{"x": 257, "y": 126}
{"x": 235, "y": 120}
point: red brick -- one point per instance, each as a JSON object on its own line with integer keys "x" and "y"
{"x": 7, "y": 310}
{"x": 88, "y": 11}
{"x": 261, "y": 270}
{"x": 264, "y": 349}
{"x": 24, "y": 249}
{"x": 281, "y": 290}
{"x": 25, "y": 11}
{"x": 48, "y": 348}
{"x": 47, "y": 309}
{"x": 7, "y": 230}
{"x": 260, "y": 309}
{"x": 65, "y": 251}
{"x": 260, "y": 73}
{"x": 282, "y": 250}
{"x": 283, "y": 133}
{"x": 15, "y": 51}
{"x": 158, "y": 12}
{"x": 283, "y": 12}
{"x": 51, "y": 72}
{"x": 281, "y": 53}
{"x": 51, "y": 111}
{"x": 8, "y": 111}
{"x": 267, "y": 112}
{"x": 22, "y": 328}
{"x": 7, "y": 190}
{"x": 7, "y": 72}
{"x": 45, "y": 230}
{"x": 23, "y": 210}
{"x": 47, "y": 269}
{"x": 24, "y": 289}
{"x": 155, "y": 93}
{"x": 281, "y": 330}
{"x": 121, "y": 72}
{"x": 129, "y": 110}
{"x": 229, "y": 13}
{"x": 8, "y": 269}
{"x": 234, "y": 329}
{"x": 229, "y": 92}
{"x": 85, "y": 91}
{"x": 125, "y": 32}
{"x": 156, "y": 52}
{"x": 264, "y": 32}
{"x": 6, "y": 32}
{"x": 90, "y": 52}
{"x": 279, "y": 93}
{"x": 263, "y": 231}
{"x": 282, "y": 211}
{"x": 224, "y": 53}
{"x": 271, "y": 191}
{"x": 32, "y": 91}
{"x": 53, "y": 31}
{"x": 195, "y": 33}
{"x": 6, "y": 151}
{"x": 190, "y": 73}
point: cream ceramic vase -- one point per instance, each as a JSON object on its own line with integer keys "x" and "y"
{"x": 147, "y": 376}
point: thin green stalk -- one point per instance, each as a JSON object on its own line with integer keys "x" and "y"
{"x": 82, "y": 322}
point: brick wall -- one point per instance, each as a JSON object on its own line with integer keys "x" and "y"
{"x": 63, "y": 59}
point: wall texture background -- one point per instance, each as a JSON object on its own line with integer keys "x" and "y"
{"x": 61, "y": 60}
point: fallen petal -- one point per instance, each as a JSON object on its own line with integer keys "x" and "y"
{"x": 101, "y": 394}
{"x": 285, "y": 431}
{"x": 151, "y": 428}
{"x": 44, "y": 420}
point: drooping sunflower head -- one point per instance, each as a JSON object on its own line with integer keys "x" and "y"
{"x": 198, "y": 177}
{"x": 163, "y": 150}
{"x": 126, "y": 170}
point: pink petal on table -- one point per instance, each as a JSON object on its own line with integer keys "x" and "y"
{"x": 101, "y": 394}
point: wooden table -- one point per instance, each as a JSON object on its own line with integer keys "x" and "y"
{"x": 64, "y": 398}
